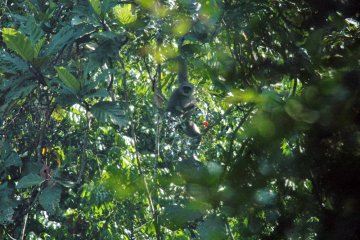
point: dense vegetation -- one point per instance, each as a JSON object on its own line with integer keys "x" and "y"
{"x": 88, "y": 150}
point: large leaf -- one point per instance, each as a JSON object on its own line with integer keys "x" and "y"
{"x": 109, "y": 110}
{"x": 38, "y": 46}
{"x": 29, "y": 181}
{"x": 97, "y": 93}
{"x": 11, "y": 64}
{"x": 13, "y": 160}
{"x": 213, "y": 228}
{"x": 20, "y": 91}
{"x": 50, "y": 198}
{"x": 124, "y": 14}
{"x": 68, "y": 79}
{"x": 178, "y": 216}
{"x": 6, "y": 215}
{"x": 29, "y": 27}
{"x": 8, "y": 156}
{"x": 65, "y": 36}
{"x": 96, "y": 4}
{"x": 19, "y": 43}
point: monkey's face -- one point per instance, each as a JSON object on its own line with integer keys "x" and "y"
{"x": 187, "y": 89}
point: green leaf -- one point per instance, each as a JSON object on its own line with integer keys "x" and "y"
{"x": 69, "y": 80}
{"x": 13, "y": 160}
{"x": 96, "y": 5}
{"x": 213, "y": 228}
{"x": 9, "y": 157}
{"x": 12, "y": 64}
{"x": 65, "y": 36}
{"x": 30, "y": 28}
{"x": 6, "y": 215}
{"x": 50, "y": 198}
{"x": 178, "y": 216}
{"x": 19, "y": 91}
{"x": 109, "y": 110}
{"x": 29, "y": 181}
{"x": 38, "y": 46}
{"x": 19, "y": 43}
{"x": 124, "y": 14}
{"x": 97, "y": 93}
{"x": 60, "y": 39}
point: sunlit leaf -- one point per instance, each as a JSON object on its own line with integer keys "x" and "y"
{"x": 124, "y": 14}
{"x": 68, "y": 79}
{"x": 96, "y": 4}
{"x": 19, "y": 43}
{"x": 181, "y": 26}
{"x": 38, "y": 46}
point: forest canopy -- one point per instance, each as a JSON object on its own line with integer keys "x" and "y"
{"x": 180, "y": 119}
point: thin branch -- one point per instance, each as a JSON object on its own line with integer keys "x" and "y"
{"x": 43, "y": 126}
{"x": 229, "y": 229}
{"x": 11, "y": 237}
{"x": 233, "y": 135}
{"x": 84, "y": 147}
{"x": 152, "y": 78}
{"x": 111, "y": 65}
{"x": 24, "y": 227}
{"x": 158, "y": 118}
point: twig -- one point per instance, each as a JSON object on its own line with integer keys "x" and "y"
{"x": 233, "y": 135}
{"x": 24, "y": 227}
{"x": 152, "y": 78}
{"x": 43, "y": 126}
{"x": 157, "y": 137}
{"x": 11, "y": 237}
{"x": 84, "y": 147}
{"x": 111, "y": 65}
{"x": 229, "y": 229}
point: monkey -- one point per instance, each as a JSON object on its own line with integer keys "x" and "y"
{"x": 181, "y": 101}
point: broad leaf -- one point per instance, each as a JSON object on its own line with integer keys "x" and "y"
{"x": 13, "y": 160}
{"x": 180, "y": 215}
{"x": 124, "y": 14}
{"x": 50, "y": 198}
{"x": 29, "y": 27}
{"x": 109, "y": 110}
{"x": 29, "y": 181}
{"x": 19, "y": 43}
{"x": 8, "y": 156}
{"x": 38, "y": 46}
{"x": 65, "y": 36}
{"x": 19, "y": 91}
{"x": 97, "y": 93}
{"x": 68, "y": 79}
{"x": 12, "y": 63}
{"x": 6, "y": 215}
{"x": 213, "y": 228}
{"x": 96, "y": 4}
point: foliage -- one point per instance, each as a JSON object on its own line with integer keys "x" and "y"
{"x": 87, "y": 150}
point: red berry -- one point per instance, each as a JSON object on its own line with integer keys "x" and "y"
{"x": 205, "y": 123}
